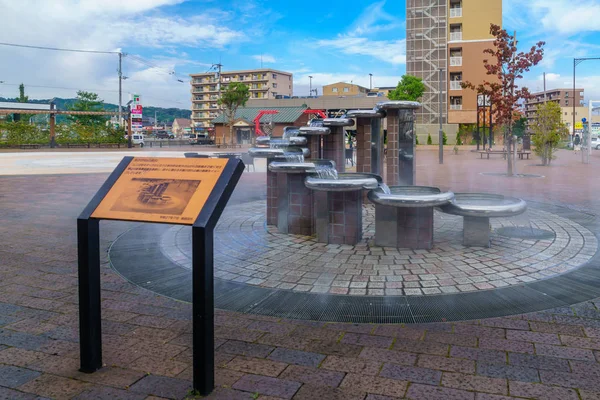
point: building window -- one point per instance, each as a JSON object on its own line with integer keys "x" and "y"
{"x": 274, "y": 85}
{"x": 274, "y": 76}
{"x": 346, "y": 90}
{"x": 334, "y": 90}
{"x": 566, "y": 95}
{"x": 567, "y": 102}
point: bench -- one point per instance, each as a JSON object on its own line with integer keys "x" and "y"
{"x": 524, "y": 153}
{"x": 521, "y": 154}
{"x": 488, "y": 153}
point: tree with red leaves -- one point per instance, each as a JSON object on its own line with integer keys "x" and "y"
{"x": 507, "y": 67}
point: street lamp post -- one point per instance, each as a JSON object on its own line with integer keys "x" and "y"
{"x": 576, "y": 62}
{"x": 441, "y": 132}
{"x": 310, "y": 85}
{"x": 370, "y": 81}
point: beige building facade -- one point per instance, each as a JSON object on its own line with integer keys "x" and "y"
{"x": 344, "y": 89}
{"x": 263, "y": 84}
{"x": 564, "y": 98}
{"x": 449, "y": 35}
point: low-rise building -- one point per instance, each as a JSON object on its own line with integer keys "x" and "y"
{"x": 344, "y": 89}
{"x": 181, "y": 126}
{"x": 244, "y": 127}
{"x": 564, "y": 98}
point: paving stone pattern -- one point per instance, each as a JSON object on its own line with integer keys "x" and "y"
{"x": 250, "y": 252}
{"x": 147, "y": 338}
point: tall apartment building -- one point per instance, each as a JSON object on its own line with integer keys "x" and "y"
{"x": 564, "y": 98}
{"x": 206, "y": 88}
{"x": 440, "y": 34}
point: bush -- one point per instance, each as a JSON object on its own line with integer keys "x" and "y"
{"x": 83, "y": 134}
{"x": 15, "y": 133}
{"x": 444, "y": 138}
{"x": 429, "y": 141}
{"x": 458, "y": 139}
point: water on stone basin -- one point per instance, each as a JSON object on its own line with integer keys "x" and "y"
{"x": 326, "y": 172}
{"x": 385, "y": 188}
{"x": 294, "y": 157}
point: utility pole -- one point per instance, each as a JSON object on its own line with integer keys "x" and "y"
{"x": 310, "y": 85}
{"x": 155, "y": 121}
{"x": 120, "y": 89}
{"x": 370, "y": 81}
{"x": 544, "y": 88}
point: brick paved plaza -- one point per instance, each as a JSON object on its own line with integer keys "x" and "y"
{"x": 551, "y": 354}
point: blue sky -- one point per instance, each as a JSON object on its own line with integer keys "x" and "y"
{"x": 332, "y": 41}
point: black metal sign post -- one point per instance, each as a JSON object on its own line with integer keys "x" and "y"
{"x": 88, "y": 245}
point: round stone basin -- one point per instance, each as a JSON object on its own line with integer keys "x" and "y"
{"x": 485, "y": 205}
{"x": 270, "y": 141}
{"x": 410, "y": 196}
{"x": 338, "y": 122}
{"x": 314, "y": 130}
{"x": 267, "y": 152}
{"x": 398, "y": 104}
{"x": 365, "y": 114}
{"x": 299, "y": 167}
{"x": 345, "y": 182}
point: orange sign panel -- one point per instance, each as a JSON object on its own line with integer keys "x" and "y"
{"x": 169, "y": 190}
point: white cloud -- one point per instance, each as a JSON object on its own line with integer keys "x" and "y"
{"x": 562, "y": 17}
{"x": 374, "y": 19}
{"x": 104, "y": 25}
{"x": 266, "y": 58}
{"x": 390, "y": 51}
{"x": 568, "y": 17}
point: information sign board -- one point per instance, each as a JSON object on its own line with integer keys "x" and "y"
{"x": 169, "y": 190}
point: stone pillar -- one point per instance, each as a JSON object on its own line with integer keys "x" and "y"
{"x": 338, "y": 217}
{"x": 295, "y": 205}
{"x": 272, "y": 195}
{"x": 400, "y": 157}
{"x": 406, "y": 148}
{"x": 476, "y": 231}
{"x": 334, "y": 147}
{"x": 391, "y": 157}
{"x": 314, "y": 145}
{"x": 404, "y": 227}
{"x": 363, "y": 145}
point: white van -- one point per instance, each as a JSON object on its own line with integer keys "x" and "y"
{"x": 136, "y": 138}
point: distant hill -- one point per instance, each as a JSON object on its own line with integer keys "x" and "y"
{"x": 162, "y": 114}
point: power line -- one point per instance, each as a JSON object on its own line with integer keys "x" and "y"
{"x": 91, "y": 90}
{"x": 58, "y": 49}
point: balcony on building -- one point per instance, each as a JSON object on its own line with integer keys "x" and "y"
{"x": 456, "y": 81}
{"x": 456, "y": 103}
{"x": 456, "y": 57}
{"x": 455, "y": 32}
{"x": 455, "y": 9}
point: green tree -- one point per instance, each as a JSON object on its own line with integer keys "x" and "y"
{"x": 548, "y": 130}
{"x": 444, "y": 138}
{"x": 235, "y": 95}
{"x": 22, "y": 99}
{"x": 410, "y": 88}
{"x": 88, "y": 101}
{"x": 520, "y": 127}
{"x": 429, "y": 141}
{"x": 459, "y": 141}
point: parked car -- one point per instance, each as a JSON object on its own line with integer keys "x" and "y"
{"x": 165, "y": 135}
{"x": 595, "y": 143}
{"x": 136, "y": 139}
{"x": 200, "y": 139}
